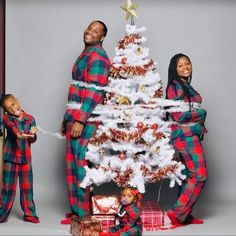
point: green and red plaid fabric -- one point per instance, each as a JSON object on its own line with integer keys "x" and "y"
{"x": 152, "y": 216}
{"x": 186, "y": 140}
{"x": 198, "y": 116}
{"x": 192, "y": 153}
{"x": 79, "y": 200}
{"x": 91, "y": 67}
{"x": 18, "y": 150}
{"x": 130, "y": 224}
{"x": 11, "y": 172}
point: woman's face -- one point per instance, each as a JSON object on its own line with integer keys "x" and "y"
{"x": 93, "y": 34}
{"x": 184, "y": 68}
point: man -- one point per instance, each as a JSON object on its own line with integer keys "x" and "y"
{"x": 91, "y": 68}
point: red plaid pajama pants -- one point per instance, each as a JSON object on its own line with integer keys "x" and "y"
{"x": 11, "y": 172}
{"x": 192, "y": 153}
{"x": 79, "y": 199}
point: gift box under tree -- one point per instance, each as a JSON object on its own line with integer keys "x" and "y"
{"x": 152, "y": 216}
{"x": 106, "y": 221}
{"x": 86, "y": 226}
{"x": 104, "y": 209}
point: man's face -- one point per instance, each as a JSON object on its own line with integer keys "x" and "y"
{"x": 93, "y": 34}
{"x": 12, "y": 106}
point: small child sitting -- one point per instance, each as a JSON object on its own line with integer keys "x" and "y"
{"x": 128, "y": 215}
{"x": 21, "y": 132}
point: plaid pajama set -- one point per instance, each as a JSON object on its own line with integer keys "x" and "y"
{"x": 17, "y": 163}
{"x": 130, "y": 223}
{"x": 186, "y": 140}
{"x": 91, "y": 67}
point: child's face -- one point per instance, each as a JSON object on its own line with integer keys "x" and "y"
{"x": 127, "y": 197}
{"x": 12, "y": 106}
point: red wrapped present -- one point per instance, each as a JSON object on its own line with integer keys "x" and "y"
{"x": 152, "y": 216}
{"x": 105, "y": 205}
{"x": 106, "y": 221}
{"x": 86, "y": 226}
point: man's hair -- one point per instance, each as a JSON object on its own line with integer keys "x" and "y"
{"x": 4, "y": 98}
{"x": 104, "y": 27}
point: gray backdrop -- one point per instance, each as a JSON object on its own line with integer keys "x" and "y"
{"x": 45, "y": 37}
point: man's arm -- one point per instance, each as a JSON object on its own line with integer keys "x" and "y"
{"x": 98, "y": 69}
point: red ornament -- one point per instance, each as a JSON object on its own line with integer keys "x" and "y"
{"x": 154, "y": 126}
{"x": 124, "y": 60}
{"x": 122, "y": 156}
{"x": 140, "y": 125}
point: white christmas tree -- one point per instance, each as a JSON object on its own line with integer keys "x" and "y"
{"x": 132, "y": 144}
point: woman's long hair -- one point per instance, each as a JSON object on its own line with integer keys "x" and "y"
{"x": 173, "y": 75}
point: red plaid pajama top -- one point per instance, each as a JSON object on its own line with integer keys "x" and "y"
{"x": 18, "y": 150}
{"x": 197, "y": 116}
{"x": 91, "y": 67}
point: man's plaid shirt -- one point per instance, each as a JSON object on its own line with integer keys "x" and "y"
{"x": 91, "y": 67}
{"x": 197, "y": 116}
{"x": 18, "y": 150}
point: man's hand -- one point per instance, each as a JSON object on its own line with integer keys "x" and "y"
{"x": 77, "y": 129}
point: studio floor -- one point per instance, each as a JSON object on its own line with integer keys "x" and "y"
{"x": 219, "y": 220}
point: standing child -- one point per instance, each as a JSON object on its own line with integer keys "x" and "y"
{"x": 21, "y": 132}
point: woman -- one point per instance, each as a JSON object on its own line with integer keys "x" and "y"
{"x": 187, "y": 128}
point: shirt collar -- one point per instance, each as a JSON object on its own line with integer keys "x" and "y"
{"x": 24, "y": 117}
{"x": 92, "y": 47}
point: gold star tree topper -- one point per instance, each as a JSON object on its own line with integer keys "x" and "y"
{"x": 130, "y": 8}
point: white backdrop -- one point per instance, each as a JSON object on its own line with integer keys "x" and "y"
{"x": 45, "y": 37}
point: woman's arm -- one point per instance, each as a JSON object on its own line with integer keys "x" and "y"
{"x": 175, "y": 92}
